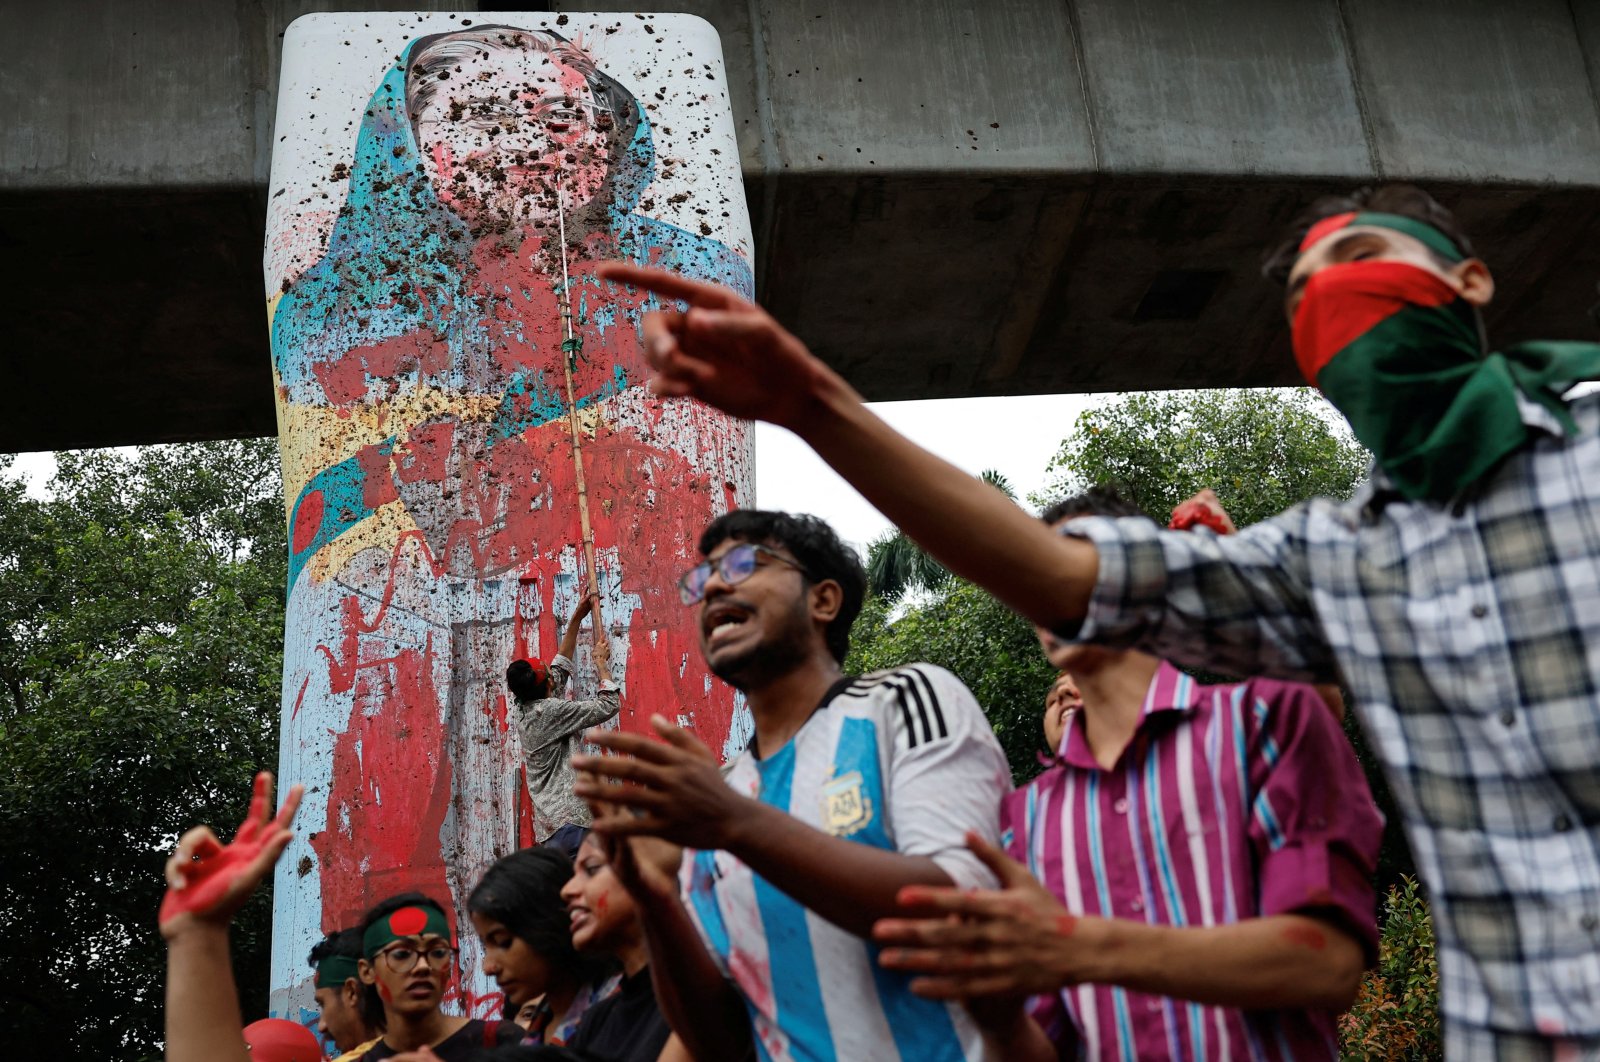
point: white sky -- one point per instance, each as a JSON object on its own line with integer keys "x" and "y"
{"x": 1015, "y": 436}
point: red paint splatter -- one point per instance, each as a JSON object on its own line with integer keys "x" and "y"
{"x": 1305, "y": 936}
{"x": 506, "y": 510}
{"x": 307, "y": 521}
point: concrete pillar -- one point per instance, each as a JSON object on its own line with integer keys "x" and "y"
{"x": 426, "y": 167}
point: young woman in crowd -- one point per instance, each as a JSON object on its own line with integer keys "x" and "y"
{"x": 519, "y": 914}
{"x": 628, "y": 1026}
{"x": 408, "y": 964}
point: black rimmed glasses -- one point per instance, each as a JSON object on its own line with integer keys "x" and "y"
{"x": 403, "y": 959}
{"x": 735, "y": 566}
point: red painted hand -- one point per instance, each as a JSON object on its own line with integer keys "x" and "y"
{"x": 725, "y": 350}
{"x": 208, "y": 881}
{"x": 1009, "y": 943}
{"x": 1203, "y": 510}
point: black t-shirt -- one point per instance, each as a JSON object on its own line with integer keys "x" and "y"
{"x": 624, "y": 1027}
{"x": 464, "y": 1044}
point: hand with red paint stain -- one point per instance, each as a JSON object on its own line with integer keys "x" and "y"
{"x": 1203, "y": 510}
{"x": 725, "y": 350}
{"x": 673, "y": 788}
{"x": 1005, "y": 943}
{"x": 207, "y": 881}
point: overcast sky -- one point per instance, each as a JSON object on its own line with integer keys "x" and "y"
{"x": 1015, "y": 436}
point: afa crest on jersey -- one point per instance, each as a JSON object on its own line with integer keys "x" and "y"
{"x": 845, "y": 808}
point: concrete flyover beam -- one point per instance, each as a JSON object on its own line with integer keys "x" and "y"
{"x": 950, "y": 198}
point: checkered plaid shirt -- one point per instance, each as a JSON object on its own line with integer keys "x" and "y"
{"x": 1470, "y": 637}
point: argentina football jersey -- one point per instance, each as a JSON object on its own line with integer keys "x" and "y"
{"x": 902, "y": 760}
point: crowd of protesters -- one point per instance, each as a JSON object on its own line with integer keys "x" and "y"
{"x": 1191, "y": 877}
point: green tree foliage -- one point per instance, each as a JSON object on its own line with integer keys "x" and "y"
{"x": 896, "y": 565}
{"x": 1396, "y": 1015}
{"x": 140, "y": 655}
{"x": 991, "y": 648}
{"x": 1262, "y": 451}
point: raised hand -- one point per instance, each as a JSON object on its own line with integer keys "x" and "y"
{"x": 676, "y": 791}
{"x": 1203, "y": 510}
{"x": 208, "y": 881}
{"x": 725, "y": 350}
{"x": 1012, "y": 942}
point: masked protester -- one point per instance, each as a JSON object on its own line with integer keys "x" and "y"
{"x": 1454, "y": 594}
{"x": 408, "y": 962}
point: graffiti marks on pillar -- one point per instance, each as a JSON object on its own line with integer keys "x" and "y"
{"x": 416, "y": 276}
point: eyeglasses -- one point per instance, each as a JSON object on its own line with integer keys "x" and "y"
{"x": 404, "y": 958}
{"x": 735, "y": 566}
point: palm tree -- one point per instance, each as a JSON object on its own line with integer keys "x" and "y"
{"x": 896, "y": 565}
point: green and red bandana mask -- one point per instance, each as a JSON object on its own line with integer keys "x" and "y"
{"x": 1397, "y": 350}
{"x": 417, "y": 921}
{"x": 334, "y": 970}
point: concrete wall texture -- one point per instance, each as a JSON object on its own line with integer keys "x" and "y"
{"x": 1016, "y": 196}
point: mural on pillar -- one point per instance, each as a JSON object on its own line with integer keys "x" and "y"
{"x": 447, "y": 368}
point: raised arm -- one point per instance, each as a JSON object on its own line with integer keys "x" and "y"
{"x": 730, "y": 353}
{"x": 706, "y": 1012}
{"x": 207, "y": 883}
{"x": 569, "y": 637}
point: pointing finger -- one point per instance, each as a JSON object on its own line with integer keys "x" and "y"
{"x": 671, "y": 285}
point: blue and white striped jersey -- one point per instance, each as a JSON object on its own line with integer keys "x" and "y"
{"x": 901, "y": 760}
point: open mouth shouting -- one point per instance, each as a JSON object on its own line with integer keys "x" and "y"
{"x": 722, "y": 623}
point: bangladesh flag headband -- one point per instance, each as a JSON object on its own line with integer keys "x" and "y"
{"x": 335, "y": 970}
{"x": 417, "y": 921}
{"x": 1399, "y": 352}
{"x": 1430, "y": 237}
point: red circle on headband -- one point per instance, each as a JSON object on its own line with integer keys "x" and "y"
{"x": 408, "y": 921}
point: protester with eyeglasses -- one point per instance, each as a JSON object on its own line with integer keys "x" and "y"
{"x": 409, "y": 961}
{"x": 850, "y": 790}
{"x": 551, "y": 727}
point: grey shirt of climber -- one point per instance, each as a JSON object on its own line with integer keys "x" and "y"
{"x": 552, "y": 729}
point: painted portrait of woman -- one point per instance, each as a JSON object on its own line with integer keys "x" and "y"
{"x": 429, "y": 470}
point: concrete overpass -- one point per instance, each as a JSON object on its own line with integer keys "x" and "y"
{"x": 950, "y": 199}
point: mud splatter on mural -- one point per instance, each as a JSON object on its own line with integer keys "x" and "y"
{"x": 415, "y": 271}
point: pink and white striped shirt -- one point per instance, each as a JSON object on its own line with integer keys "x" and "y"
{"x": 1231, "y": 802}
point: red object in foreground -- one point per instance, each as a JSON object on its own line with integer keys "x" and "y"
{"x": 281, "y": 1040}
{"x": 1195, "y": 514}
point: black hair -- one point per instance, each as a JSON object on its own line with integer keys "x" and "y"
{"x": 1406, "y": 200}
{"x": 522, "y": 892}
{"x": 524, "y": 683}
{"x": 812, "y": 543}
{"x": 1100, "y": 500}
{"x": 346, "y": 944}
{"x": 342, "y": 943}
{"x": 371, "y": 1002}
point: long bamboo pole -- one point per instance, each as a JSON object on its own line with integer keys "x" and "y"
{"x": 569, "y": 350}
